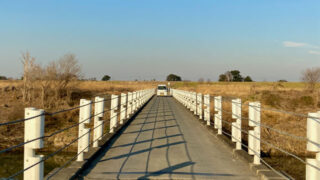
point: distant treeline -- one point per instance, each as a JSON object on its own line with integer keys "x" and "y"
{"x": 234, "y": 76}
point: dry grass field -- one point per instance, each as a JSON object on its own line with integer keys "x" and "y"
{"x": 12, "y": 108}
{"x": 273, "y": 96}
{"x": 290, "y": 97}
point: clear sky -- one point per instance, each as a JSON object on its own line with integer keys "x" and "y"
{"x": 146, "y": 39}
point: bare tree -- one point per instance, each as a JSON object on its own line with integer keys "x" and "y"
{"x": 67, "y": 70}
{"x": 29, "y": 67}
{"x": 46, "y": 78}
{"x": 200, "y": 80}
{"x": 55, "y": 77}
{"x": 228, "y": 76}
{"x": 311, "y": 76}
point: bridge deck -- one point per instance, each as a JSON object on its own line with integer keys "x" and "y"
{"x": 166, "y": 142}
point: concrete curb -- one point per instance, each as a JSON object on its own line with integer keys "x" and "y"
{"x": 74, "y": 170}
{"x": 262, "y": 171}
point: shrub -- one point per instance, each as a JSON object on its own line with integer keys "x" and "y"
{"x": 3, "y": 78}
{"x": 173, "y": 77}
{"x": 306, "y": 100}
{"x": 106, "y": 78}
{"x": 271, "y": 99}
{"x": 311, "y": 77}
{"x": 247, "y": 79}
{"x": 222, "y": 78}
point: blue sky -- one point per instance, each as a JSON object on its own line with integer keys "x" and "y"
{"x": 146, "y": 39}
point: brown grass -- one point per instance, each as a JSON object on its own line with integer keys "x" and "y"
{"x": 12, "y": 108}
{"x": 284, "y": 96}
{"x": 291, "y": 97}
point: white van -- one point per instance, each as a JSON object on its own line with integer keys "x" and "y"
{"x": 162, "y": 90}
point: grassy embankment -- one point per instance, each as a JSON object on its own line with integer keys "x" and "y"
{"x": 291, "y": 97}
{"x": 12, "y": 108}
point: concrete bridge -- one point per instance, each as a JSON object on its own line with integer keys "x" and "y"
{"x": 152, "y": 137}
{"x": 164, "y": 141}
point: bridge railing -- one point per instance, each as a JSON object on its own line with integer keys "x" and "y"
{"x": 34, "y": 125}
{"x": 196, "y": 102}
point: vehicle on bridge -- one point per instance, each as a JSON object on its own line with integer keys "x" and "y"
{"x": 162, "y": 90}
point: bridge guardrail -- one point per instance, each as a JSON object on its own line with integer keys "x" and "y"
{"x": 254, "y": 120}
{"x": 34, "y": 129}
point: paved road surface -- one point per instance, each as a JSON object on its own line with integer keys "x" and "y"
{"x": 166, "y": 142}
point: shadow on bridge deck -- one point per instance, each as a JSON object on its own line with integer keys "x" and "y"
{"x": 166, "y": 142}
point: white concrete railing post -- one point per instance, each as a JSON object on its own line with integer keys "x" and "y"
{"x": 123, "y": 107}
{"x": 194, "y": 103}
{"x": 83, "y": 133}
{"x": 134, "y": 101}
{"x": 129, "y": 106}
{"x": 189, "y": 101}
{"x": 199, "y": 105}
{"x": 254, "y": 135}
{"x": 313, "y": 135}
{"x": 113, "y": 112}
{"x": 206, "y": 99}
{"x": 143, "y": 94}
{"x": 186, "y": 98}
{"x": 179, "y": 96}
{"x": 218, "y": 115}
{"x": 33, "y": 128}
{"x": 143, "y": 97}
{"x": 98, "y": 124}
{"x": 139, "y": 99}
{"x": 175, "y": 94}
{"x": 147, "y": 93}
{"x": 236, "y": 126}
{"x": 184, "y": 95}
